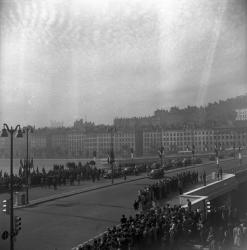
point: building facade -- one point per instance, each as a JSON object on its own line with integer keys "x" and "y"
{"x": 241, "y": 115}
{"x": 152, "y": 142}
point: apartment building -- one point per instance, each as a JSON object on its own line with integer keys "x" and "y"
{"x": 152, "y": 141}
{"x": 75, "y": 144}
{"x": 59, "y": 143}
{"x": 84, "y": 145}
{"x": 241, "y": 115}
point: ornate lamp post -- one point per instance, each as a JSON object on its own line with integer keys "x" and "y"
{"x": 234, "y": 151}
{"x": 239, "y": 156}
{"x": 27, "y": 130}
{"x": 5, "y": 131}
{"x": 112, "y": 130}
{"x": 161, "y": 153}
{"x": 193, "y": 154}
{"x": 217, "y": 159}
{"x": 132, "y": 155}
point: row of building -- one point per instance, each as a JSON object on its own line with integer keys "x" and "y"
{"x": 71, "y": 143}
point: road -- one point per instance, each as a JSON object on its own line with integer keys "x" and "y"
{"x": 66, "y": 222}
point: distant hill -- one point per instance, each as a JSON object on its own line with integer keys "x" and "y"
{"x": 222, "y": 113}
{"x": 217, "y": 114}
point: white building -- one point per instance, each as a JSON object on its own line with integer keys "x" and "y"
{"x": 241, "y": 114}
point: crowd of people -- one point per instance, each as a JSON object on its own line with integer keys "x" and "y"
{"x": 60, "y": 175}
{"x": 160, "y": 189}
{"x": 157, "y": 227}
{"x": 170, "y": 227}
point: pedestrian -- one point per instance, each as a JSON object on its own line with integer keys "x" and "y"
{"x": 204, "y": 178}
{"x": 189, "y": 205}
{"x": 211, "y": 239}
{"x": 180, "y": 188}
{"x": 220, "y": 172}
{"x": 125, "y": 175}
{"x": 136, "y": 205}
{"x": 236, "y": 236}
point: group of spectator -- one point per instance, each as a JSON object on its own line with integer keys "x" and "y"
{"x": 170, "y": 227}
{"x": 58, "y": 176}
{"x": 225, "y": 230}
{"x": 160, "y": 189}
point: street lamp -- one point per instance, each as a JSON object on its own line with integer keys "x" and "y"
{"x": 193, "y": 154}
{"x": 239, "y": 156}
{"x": 27, "y": 130}
{"x": 161, "y": 153}
{"x": 5, "y": 131}
{"x": 111, "y": 156}
{"x": 217, "y": 158}
{"x": 132, "y": 154}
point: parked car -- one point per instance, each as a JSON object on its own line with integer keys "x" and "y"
{"x": 129, "y": 170}
{"x": 108, "y": 174}
{"x": 156, "y": 173}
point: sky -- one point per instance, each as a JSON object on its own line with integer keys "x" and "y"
{"x": 62, "y": 60}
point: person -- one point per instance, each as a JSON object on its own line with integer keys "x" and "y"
{"x": 123, "y": 219}
{"x": 135, "y": 170}
{"x": 189, "y": 205}
{"x": 204, "y": 178}
{"x": 200, "y": 229}
{"x": 124, "y": 173}
{"x": 226, "y": 240}
{"x": 244, "y": 233}
{"x": 136, "y": 205}
{"x": 236, "y": 236}
{"x": 220, "y": 172}
{"x": 180, "y": 188}
{"x": 211, "y": 239}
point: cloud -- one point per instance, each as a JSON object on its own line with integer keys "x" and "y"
{"x": 67, "y": 59}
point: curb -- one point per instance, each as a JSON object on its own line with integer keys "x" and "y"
{"x": 64, "y": 195}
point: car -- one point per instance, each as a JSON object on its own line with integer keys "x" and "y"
{"x": 108, "y": 174}
{"x": 128, "y": 170}
{"x": 156, "y": 173}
